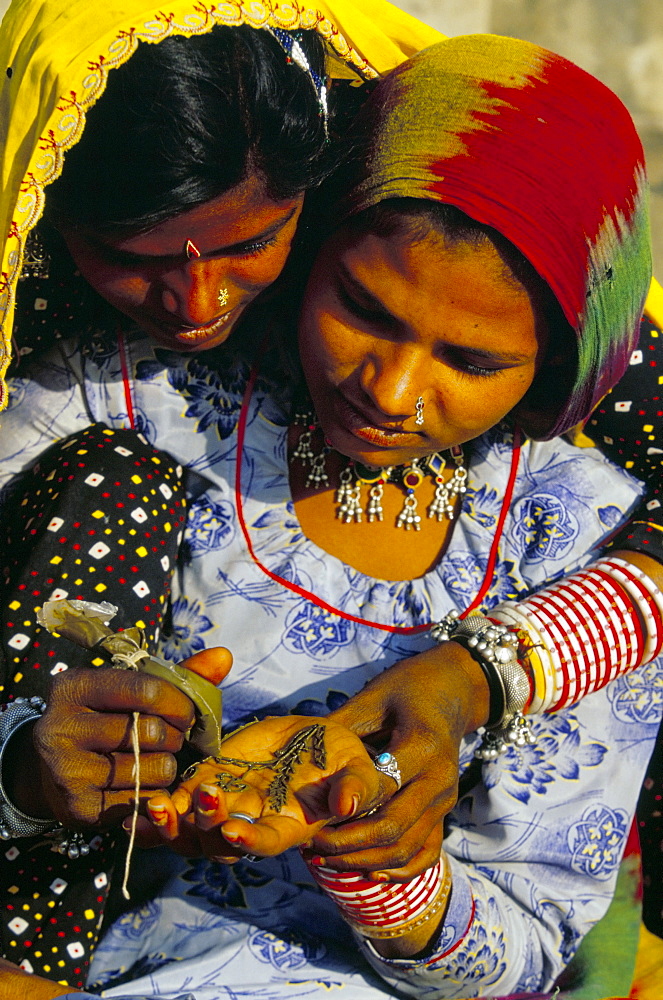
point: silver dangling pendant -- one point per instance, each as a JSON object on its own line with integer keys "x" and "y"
{"x": 302, "y": 449}
{"x": 420, "y": 412}
{"x": 345, "y": 488}
{"x": 374, "y": 511}
{"x": 350, "y": 509}
{"x": 317, "y": 474}
{"x": 408, "y": 517}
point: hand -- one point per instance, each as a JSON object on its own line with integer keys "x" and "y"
{"x": 83, "y": 772}
{"x": 16, "y": 983}
{"x": 196, "y": 818}
{"x": 420, "y": 708}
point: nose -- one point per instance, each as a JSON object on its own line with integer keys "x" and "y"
{"x": 197, "y": 293}
{"x": 394, "y": 378}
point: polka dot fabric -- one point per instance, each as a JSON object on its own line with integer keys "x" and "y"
{"x": 99, "y": 518}
{"x": 628, "y": 427}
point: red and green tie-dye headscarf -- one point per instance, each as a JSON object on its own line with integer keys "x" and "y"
{"x": 524, "y": 141}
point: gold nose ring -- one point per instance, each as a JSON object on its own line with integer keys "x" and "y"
{"x": 223, "y": 297}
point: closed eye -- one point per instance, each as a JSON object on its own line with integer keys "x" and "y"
{"x": 368, "y": 312}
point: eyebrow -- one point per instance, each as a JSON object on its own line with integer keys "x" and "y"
{"x": 226, "y": 251}
{"x": 372, "y": 302}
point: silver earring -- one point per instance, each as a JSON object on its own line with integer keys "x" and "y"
{"x": 420, "y": 412}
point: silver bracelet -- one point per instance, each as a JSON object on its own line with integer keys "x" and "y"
{"x": 495, "y": 649}
{"x": 14, "y": 822}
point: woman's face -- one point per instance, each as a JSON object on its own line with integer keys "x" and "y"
{"x": 384, "y": 322}
{"x": 188, "y": 302}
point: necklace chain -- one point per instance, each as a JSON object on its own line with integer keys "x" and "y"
{"x": 354, "y": 476}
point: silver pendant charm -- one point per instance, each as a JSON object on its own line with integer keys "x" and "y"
{"x": 374, "y": 511}
{"x": 408, "y": 517}
{"x": 317, "y": 476}
{"x": 350, "y": 509}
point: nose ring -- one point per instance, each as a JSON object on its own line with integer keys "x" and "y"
{"x": 223, "y": 297}
{"x": 420, "y": 412}
{"x": 191, "y": 250}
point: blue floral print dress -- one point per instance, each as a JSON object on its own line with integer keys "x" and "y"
{"x": 534, "y": 847}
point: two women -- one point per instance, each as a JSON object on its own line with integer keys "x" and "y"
{"x": 404, "y": 355}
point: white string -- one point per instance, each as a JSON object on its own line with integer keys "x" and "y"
{"x": 135, "y": 740}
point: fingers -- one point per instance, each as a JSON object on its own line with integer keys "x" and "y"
{"x": 122, "y": 691}
{"x": 212, "y": 664}
{"x": 426, "y": 857}
{"x": 99, "y": 732}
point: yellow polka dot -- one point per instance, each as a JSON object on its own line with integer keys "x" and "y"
{"x": 132, "y": 531}
{"x": 12, "y": 889}
{"x": 90, "y": 934}
{"x": 35, "y": 895}
{"x": 82, "y": 451}
{"x": 628, "y": 465}
{"x": 17, "y": 678}
{"x": 121, "y": 541}
{"x": 27, "y": 624}
{"x": 51, "y": 902}
{"x": 38, "y": 954}
{"x": 157, "y": 461}
{"x": 136, "y": 479}
{"x": 98, "y": 662}
{"x": 654, "y": 333}
{"x": 648, "y": 428}
{"x": 660, "y": 379}
{"x": 47, "y": 968}
{"x": 108, "y": 531}
{"x": 100, "y": 587}
{"x": 121, "y": 521}
{"x": 98, "y": 514}
{"x": 77, "y": 562}
{"x": 141, "y": 551}
{"x": 651, "y": 437}
{"x": 92, "y": 569}
{"x": 167, "y": 527}
{"x": 56, "y": 560}
{"x": 89, "y": 914}
{"x": 15, "y": 605}
{"x": 65, "y": 576}
{"x": 39, "y": 916}
{"x": 55, "y": 949}
{"x": 141, "y": 624}
{"x": 61, "y": 965}
{"x": 26, "y": 906}
{"x": 109, "y": 433}
{"x": 77, "y": 583}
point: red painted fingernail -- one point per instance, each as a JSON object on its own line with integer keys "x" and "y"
{"x": 317, "y": 860}
{"x": 208, "y": 799}
{"x": 158, "y": 814}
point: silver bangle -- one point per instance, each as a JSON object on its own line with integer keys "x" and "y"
{"x": 14, "y": 822}
{"x": 496, "y": 649}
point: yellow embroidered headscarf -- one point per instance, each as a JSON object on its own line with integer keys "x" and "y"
{"x": 55, "y": 56}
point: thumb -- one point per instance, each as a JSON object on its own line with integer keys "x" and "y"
{"x": 212, "y": 664}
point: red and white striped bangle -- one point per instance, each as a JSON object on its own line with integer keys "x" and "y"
{"x": 386, "y": 909}
{"x": 648, "y": 599}
{"x": 588, "y": 629}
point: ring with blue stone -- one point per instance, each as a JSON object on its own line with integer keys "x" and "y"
{"x": 386, "y": 763}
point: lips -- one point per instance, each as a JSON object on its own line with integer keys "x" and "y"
{"x": 202, "y": 333}
{"x": 389, "y": 434}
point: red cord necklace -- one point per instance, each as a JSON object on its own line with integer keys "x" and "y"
{"x": 306, "y": 594}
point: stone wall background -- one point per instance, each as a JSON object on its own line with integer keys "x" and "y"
{"x": 619, "y": 41}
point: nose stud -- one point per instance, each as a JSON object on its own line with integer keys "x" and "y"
{"x": 223, "y": 296}
{"x": 191, "y": 250}
{"x": 420, "y": 412}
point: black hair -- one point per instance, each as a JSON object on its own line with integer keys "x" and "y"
{"x": 186, "y": 120}
{"x": 413, "y": 219}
